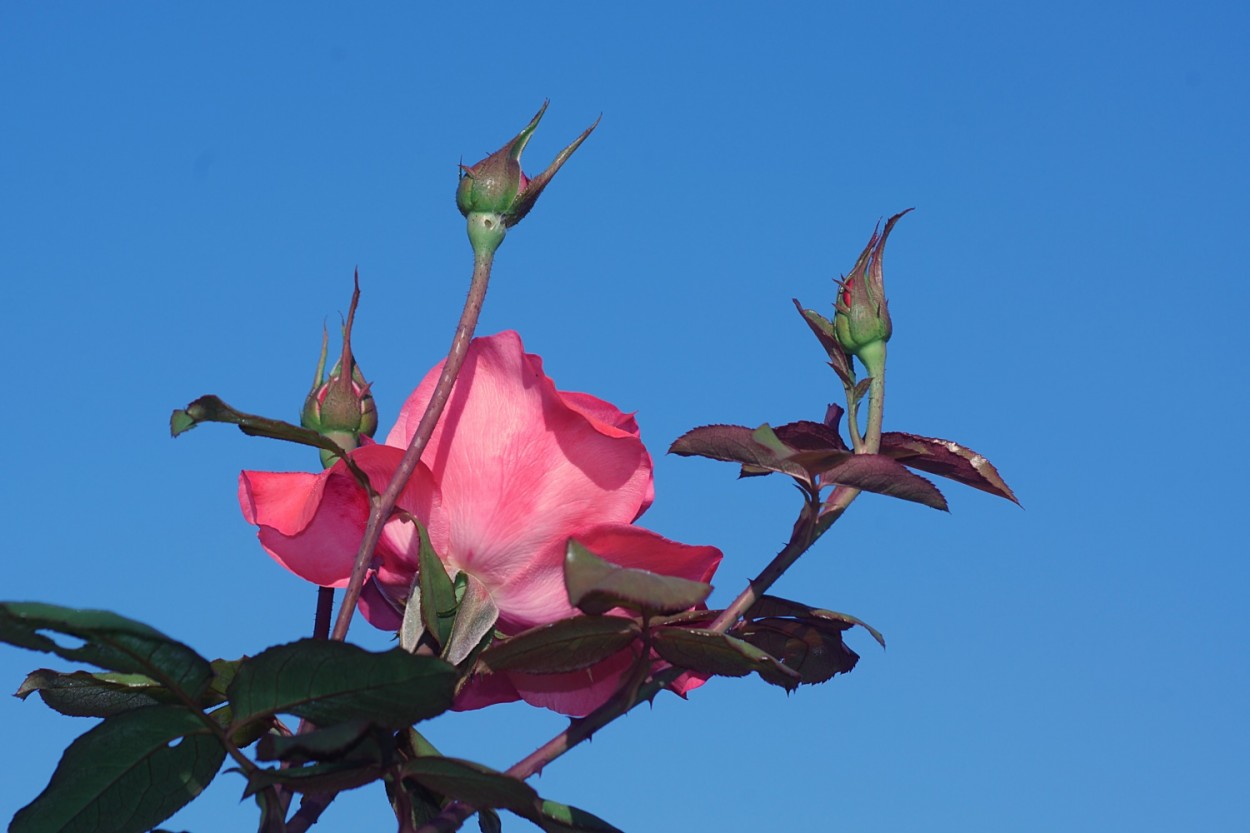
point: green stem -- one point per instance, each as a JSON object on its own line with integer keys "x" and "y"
{"x": 873, "y": 358}
{"x": 483, "y": 257}
{"x": 852, "y": 419}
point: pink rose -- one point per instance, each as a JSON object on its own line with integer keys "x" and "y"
{"x": 514, "y": 470}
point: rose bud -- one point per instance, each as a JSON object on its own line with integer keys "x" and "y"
{"x": 340, "y": 407}
{"x": 499, "y": 193}
{"x": 862, "y": 320}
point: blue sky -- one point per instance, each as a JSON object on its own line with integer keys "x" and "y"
{"x": 185, "y": 191}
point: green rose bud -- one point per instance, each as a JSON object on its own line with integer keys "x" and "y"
{"x": 861, "y": 322}
{"x": 340, "y": 406}
{"x": 495, "y": 194}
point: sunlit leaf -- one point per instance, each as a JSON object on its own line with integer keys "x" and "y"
{"x": 946, "y": 459}
{"x": 735, "y": 444}
{"x": 475, "y": 619}
{"x": 126, "y": 775}
{"x": 884, "y": 476}
{"x": 596, "y": 586}
{"x": 823, "y": 329}
{"x": 438, "y": 594}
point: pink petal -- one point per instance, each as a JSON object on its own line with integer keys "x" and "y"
{"x": 642, "y": 549}
{"x": 578, "y": 693}
{"x": 312, "y": 524}
{"x": 539, "y": 596}
{"x": 520, "y": 468}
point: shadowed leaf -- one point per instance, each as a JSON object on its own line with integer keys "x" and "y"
{"x": 566, "y": 645}
{"x": 777, "y": 606}
{"x": 812, "y": 647}
{"x": 334, "y": 776}
{"x": 212, "y": 409}
{"x": 488, "y": 822}
{"x": 719, "y": 654}
{"x": 472, "y": 783}
{"x": 356, "y": 740}
{"x": 946, "y": 459}
{"x": 331, "y": 682}
{"x": 126, "y": 775}
{"x": 597, "y": 586}
{"x": 554, "y": 817}
{"x": 884, "y": 476}
{"x": 83, "y": 694}
{"x": 109, "y": 641}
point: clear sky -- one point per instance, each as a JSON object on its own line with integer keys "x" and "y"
{"x": 185, "y": 191}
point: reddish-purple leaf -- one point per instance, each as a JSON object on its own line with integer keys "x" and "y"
{"x": 880, "y": 474}
{"x": 946, "y": 459}
{"x": 734, "y": 444}
{"x": 823, "y": 329}
{"x": 805, "y": 435}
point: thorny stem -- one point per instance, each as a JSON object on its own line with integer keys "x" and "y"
{"x": 385, "y": 503}
{"x": 325, "y": 609}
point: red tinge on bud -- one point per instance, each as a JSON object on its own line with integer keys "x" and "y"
{"x": 341, "y": 407}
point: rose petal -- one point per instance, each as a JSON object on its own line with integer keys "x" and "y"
{"x": 538, "y": 595}
{"x": 313, "y": 524}
{"x": 520, "y": 469}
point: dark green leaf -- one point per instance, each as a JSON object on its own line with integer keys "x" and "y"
{"x": 735, "y": 444}
{"x": 475, "y": 620}
{"x": 109, "y": 641}
{"x": 355, "y": 740}
{"x": 126, "y": 775}
{"x": 946, "y": 459}
{"x": 488, "y": 822}
{"x": 566, "y": 645}
{"x": 212, "y": 409}
{"x": 83, "y": 694}
{"x": 879, "y": 474}
{"x": 561, "y": 818}
{"x": 472, "y": 783}
{"x": 812, "y": 647}
{"x": 331, "y": 682}
{"x": 335, "y": 776}
{"x": 223, "y": 675}
{"x": 715, "y": 653}
{"x": 597, "y": 586}
{"x": 777, "y": 606}
{"x": 438, "y": 594}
